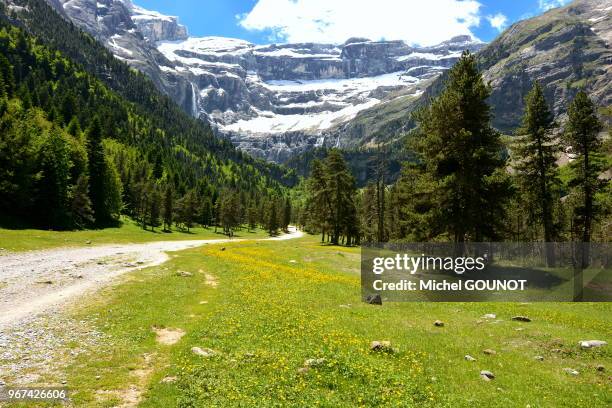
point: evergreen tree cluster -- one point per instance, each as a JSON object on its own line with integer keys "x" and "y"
{"x": 330, "y": 204}
{"x": 467, "y": 184}
{"x": 75, "y": 153}
{"x": 159, "y": 204}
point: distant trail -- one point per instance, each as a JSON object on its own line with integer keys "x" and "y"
{"x": 36, "y": 282}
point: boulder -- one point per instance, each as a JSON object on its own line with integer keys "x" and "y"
{"x": 382, "y": 346}
{"x": 314, "y": 362}
{"x": 571, "y": 371}
{"x": 586, "y": 344}
{"x": 469, "y": 358}
{"x": 439, "y": 323}
{"x": 487, "y": 375}
{"x": 203, "y": 352}
{"x": 374, "y": 299}
{"x": 184, "y": 274}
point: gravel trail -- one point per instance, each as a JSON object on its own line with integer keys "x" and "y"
{"x": 37, "y": 340}
{"x": 37, "y": 282}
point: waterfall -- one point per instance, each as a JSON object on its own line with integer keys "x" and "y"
{"x": 194, "y": 101}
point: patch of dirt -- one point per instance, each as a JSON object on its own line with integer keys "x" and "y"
{"x": 211, "y": 280}
{"x": 131, "y": 396}
{"x": 167, "y": 336}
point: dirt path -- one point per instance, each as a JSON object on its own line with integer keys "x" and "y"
{"x": 38, "y": 282}
{"x": 37, "y": 340}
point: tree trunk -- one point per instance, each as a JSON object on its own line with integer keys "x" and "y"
{"x": 588, "y": 214}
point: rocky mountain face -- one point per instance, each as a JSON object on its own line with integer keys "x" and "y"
{"x": 130, "y": 33}
{"x": 278, "y": 100}
{"x": 273, "y": 100}
{"x": 565, "y": 49}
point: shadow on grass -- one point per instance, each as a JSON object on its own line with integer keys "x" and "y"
{"x": 17, "y": 224}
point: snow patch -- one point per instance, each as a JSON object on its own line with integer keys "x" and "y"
{"x": 140, "y": 13}
{"x": 113, "y": 43}
{"x": 428, "y": 56}
{"x": 268, "y": 122}
{"x": 344, "y": 85}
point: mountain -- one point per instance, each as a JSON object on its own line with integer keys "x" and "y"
{"x": 565, "y": 49}
{"x": 130, "y": 32}
{"x": 272, "y": 101}
{"x": 133, "y": 111}
{"x": 278, "y": 101}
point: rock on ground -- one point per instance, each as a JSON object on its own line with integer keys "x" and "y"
{"x": 592, "y": 343}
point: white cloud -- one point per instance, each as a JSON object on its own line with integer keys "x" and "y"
{"x": 424, "y": 22}
{"x": 546, "y": 5}
{"x": 498, "y": 21}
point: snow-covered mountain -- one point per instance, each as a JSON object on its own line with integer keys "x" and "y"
{"x": 274, "y": 100}
{"x": 271, "y": 100}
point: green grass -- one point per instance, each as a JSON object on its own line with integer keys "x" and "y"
{"x": 268, "y": 314}
{"x": 128, "y": 232}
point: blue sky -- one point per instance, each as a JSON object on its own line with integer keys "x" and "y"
{"x": 415, "y": 21}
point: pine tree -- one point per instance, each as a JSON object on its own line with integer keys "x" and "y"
{"x": 581, "y": 135}
{"x": 158, "y": 167}
{"x": 381, "y": 190}
{"x": 341, "y": 188}
{"x": 113, "y": 191}
{"x": 53, "y": 187}
{"x": 252, "y": 217}
{"x": 229, "y": 212}
{"x": 81, "y": 212}
{"x": 272, "y": 220}
{"x": 536, "y": 166}
{"x": 318, "y": 204}
{"x": 167, "y": 211}
{"x": 97, "y": 171}
{"x": 154, "y": 208}
{"x": 286, "y": 215}
{"x": 369, "y": 213}
{"x": 74, "y": 128}
{"x": 187, "y": 210}
{"x": 206, "y": 213}
{"x": 460, "y": 159}
{"x": 19, "y": 170}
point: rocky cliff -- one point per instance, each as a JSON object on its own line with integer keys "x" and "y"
{"x": 278, "y": 100}
{"x": 272, "y": 100}
{"x": 130, "y": 33}
{"x": 565, "y": 49}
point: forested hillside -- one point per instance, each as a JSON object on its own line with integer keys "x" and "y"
{"x": 85, "y": 138}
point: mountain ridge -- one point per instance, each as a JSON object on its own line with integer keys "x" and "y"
{"x": 274, "y": 100}
{"x": 280, "y": 100}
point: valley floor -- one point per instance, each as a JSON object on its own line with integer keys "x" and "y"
{"x": 280, "y": 323}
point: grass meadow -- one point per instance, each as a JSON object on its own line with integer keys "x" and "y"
{"x": 260, "y": 309}
{"x": 128, "y": 231}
